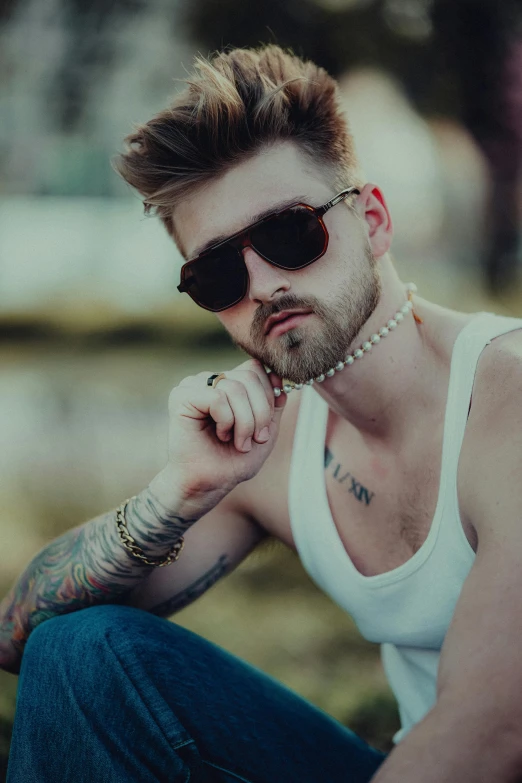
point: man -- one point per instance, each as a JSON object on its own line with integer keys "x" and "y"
{"x": 392, "y": 468}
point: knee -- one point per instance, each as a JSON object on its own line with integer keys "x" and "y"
{"x": 76, "y": 635}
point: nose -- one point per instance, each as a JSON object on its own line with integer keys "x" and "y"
{"x": 267, "y": 282}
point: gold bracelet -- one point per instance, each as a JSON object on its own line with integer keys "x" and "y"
{"x": 131, "y": 546}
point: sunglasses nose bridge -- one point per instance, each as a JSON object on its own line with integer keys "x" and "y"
{"x": 244, "y": 241}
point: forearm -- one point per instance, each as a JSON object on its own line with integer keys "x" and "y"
{"x": 456, "y": 746}
{"x": 87, "y": 566}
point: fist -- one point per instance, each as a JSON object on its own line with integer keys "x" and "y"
{"x": 221, "y": 436}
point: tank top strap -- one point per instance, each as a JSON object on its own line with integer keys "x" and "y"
{"x": 307, "y": 498}
{"x": 470, "y": 343}
{"x": 313, "y": 411}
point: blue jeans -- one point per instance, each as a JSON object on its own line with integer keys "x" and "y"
{"x": 113, "y": 694}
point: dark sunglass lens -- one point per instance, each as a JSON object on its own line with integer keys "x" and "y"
{"x": 291, "y": 239}
{"x": 218, "y": 280}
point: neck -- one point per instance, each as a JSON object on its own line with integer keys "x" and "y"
{"x": 402, "y": 378}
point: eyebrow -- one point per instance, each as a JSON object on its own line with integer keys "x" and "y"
{"x": 253, "y": 219}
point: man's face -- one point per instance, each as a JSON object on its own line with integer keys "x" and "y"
{"x": 339, "y": 291}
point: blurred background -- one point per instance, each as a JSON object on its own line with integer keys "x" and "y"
{"x": 93, "y": 333}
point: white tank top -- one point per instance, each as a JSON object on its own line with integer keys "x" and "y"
{"x": 408, "y": 609}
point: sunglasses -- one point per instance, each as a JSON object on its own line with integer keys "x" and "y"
{"x": 289, "y": 239}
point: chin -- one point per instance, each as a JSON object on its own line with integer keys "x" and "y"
{"x": 304, "y": 361}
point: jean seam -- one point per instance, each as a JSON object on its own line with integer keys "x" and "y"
{"x": 227, "y": 771}
{"x": 174, "y": 746}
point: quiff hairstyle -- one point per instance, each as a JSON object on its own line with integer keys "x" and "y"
{"x": 233, "y": 105}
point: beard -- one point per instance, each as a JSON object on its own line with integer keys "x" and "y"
{"x": 301, "y": 353}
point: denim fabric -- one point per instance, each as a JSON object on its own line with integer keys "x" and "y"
{"x": 112, "y": 694}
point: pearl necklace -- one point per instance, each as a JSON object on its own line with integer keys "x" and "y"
{"x": 366, "y": 347}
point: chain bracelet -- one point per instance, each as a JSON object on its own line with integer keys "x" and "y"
{"x": 131, "y": 546}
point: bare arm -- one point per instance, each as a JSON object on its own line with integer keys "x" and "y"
{"x": 83, "y": 567}
{"x": 473, "y": 734}
{"x": 208, "y": 460}
{"x": 214, "y": 546}
{"x": 88, "y": 565}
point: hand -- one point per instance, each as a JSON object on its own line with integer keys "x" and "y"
{"x": 221, "y": 437}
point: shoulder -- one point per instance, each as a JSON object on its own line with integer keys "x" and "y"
{"x": 491, "y": 455}
{"x": 498, "y": 379}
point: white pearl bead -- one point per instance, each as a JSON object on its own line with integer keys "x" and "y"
{"x": 359, "y": 352}
{"x": 411, "y": 287}
{"x": 277, "y": 391}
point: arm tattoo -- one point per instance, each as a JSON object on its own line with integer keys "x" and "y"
{"x": 193, "y": 591}
{"x": 156, "y": 527}
{"x": 83, "y": 567}
{"x": 353, "y": 486}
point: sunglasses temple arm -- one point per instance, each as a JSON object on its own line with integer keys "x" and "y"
{"x": 340, "y": 197}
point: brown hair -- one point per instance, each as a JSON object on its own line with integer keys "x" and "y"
{"x": 233, "y": 105}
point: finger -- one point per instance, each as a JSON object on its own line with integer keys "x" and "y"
{"x": 203, "y": 404}
{"x": 261, "y": 401}
{"x": 276, "y": 396}
{"x": 222, "y": 414}
{"x": 244, "y": 420}
{"x": 256, "y": 366}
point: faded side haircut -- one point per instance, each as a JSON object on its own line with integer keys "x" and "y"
{"x": 233, "y": 105}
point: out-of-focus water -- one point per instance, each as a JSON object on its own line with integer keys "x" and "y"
{"x": 79, "y": 431}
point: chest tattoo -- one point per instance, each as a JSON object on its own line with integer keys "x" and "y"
{"x": 342, "y": 476}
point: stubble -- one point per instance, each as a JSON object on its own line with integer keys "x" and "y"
{"x": 311, "y": 349}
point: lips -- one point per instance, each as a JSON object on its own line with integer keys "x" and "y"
{"x": 283, "y": 316}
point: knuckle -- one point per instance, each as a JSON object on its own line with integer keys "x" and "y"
{"x": 183, "y": 384}
{"x": 236, "y": 387}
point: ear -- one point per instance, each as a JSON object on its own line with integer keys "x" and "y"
{"x": 372, "y": 208}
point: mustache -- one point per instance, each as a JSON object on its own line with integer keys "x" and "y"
{"x": 286, "y": 302}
